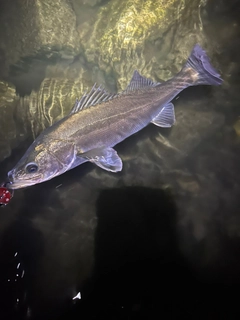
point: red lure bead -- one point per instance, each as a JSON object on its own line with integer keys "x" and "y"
{"x": 5, "y": 195}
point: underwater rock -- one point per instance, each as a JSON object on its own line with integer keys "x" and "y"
{"x": 50, "y": 103}
{"x": 8, "y": 132}
{"x": 139, "y": 35}
{"x": 90, "y": 3}
{"x": 236, "y": 127}
{"x": 56, "y": 95}
{"x": 43, "y": 30}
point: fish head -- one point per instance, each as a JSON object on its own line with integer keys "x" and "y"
{"x": 40, "y": 163}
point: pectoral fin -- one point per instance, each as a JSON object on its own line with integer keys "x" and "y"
{"x": 105, "y": 158}
{"x": 166, "y": 116}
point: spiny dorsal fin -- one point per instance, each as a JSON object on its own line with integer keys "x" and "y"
{"x": 139, "y": 82}
{"x": 95, "y": 96}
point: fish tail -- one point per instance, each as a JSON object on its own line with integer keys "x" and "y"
{"x": 200, "y": 69}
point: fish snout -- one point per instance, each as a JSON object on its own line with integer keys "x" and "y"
{"x": 11, "y": 175}
{"x": 10, "y": 179}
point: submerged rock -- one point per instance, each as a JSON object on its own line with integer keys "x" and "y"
{"x": 43, "y": 30}
{"x": 139, "y": 35}
{"x": 50, "y": 103}
{"x": 8, "y": 132}
{"x": 236, "y": 127}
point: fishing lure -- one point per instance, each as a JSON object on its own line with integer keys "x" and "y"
{"x": 5, "y": 195}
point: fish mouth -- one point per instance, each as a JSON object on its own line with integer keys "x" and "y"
{"x": 13, "y": 183}
{"x": 20, "y": 184}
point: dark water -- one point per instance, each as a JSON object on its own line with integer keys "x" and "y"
{"x": 158, "y": 240}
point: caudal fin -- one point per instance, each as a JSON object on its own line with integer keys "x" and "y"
{"x": 204, "y": 71}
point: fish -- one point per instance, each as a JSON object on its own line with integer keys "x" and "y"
{"x": 100, "y": 120}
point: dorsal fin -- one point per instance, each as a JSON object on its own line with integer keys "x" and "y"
{"x": 139, "y": 82}
{"x": 95, "y": 96}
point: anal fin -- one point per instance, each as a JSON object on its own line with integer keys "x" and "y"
{"x": 166, "y": 117}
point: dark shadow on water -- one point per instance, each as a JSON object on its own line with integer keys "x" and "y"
{"x": 135, "y": 246}
{"x": 138, "y": 270}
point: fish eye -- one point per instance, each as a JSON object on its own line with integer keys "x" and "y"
{"x": 31, "y": 167}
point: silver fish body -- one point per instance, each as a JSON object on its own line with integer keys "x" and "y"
{"x": 100, "y": 120}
